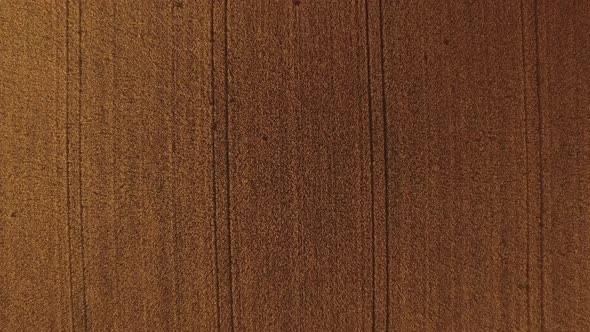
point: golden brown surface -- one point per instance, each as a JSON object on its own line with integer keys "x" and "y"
{"x": 294, "y": 165}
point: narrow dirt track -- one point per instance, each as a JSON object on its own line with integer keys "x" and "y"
{"x": 294, "y": 165}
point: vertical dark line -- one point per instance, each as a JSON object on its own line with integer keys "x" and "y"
{"x": 372, "y": 158}
{"x": 85, "y": 317}
{"x": 386, "y": 162}
{"x": 297, "y": 12}
{"x": 227, "y": 165}
{"x": 68, "y": 203}
{"x": 526, "y": 148}
{"x": 174, "y": 171}
{"x": 541, "y": 172}
{"x": 213, "y": 167}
